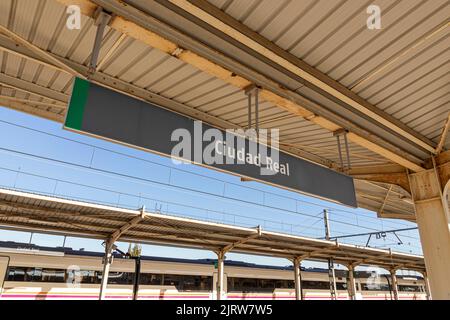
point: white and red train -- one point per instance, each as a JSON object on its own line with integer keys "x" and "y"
{"x": 41, "y": 273}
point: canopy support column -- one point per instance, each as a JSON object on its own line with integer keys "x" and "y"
{"x": 433, "y": 221}
{"x": 109, "y": 246}
{"x": 220, "y": 266}
{"x": 394, "y": 284}
{"x": 101, "y": 21}
{"x": 298, "y": 279}
{"x": 107, "y": 260}
{"x": 137, "y": 277}
{"x": 331, "y": 271}
{"x": 221, "y": 257}
{"x": 427, "y": 285}
{"x": 352, "y": 282}
{"x": 250, "y": 91}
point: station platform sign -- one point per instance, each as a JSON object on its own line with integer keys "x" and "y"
{"x": 98, "y": 111}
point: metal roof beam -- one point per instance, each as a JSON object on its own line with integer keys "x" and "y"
{"x": 143, "y": 94}
{"x": 218, "y": 19}
{"x": 316, "y": 252}
{"x": 127, "y": 226}
{"x": 38, "y": 51}
{"x": 443, "y": 135}
{"x": 29, "y": 87}
{"x": 36, "y": 103}
{"x": 233, "y": 245}
{"x": 29, "y": 108}
{"x": 182, "y": 232}
{"x": 277, "y": 95}
{"x": 25, "y": 56}
{"x": 28, "y": 227}
{"x": 43, "y": 210}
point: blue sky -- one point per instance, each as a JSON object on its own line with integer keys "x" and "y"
{"x": 38, "y": 155}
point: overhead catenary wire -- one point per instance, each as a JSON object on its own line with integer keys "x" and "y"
{"x": 94, "y": 147}
{"x": 175, "y": 212}
{"x": 247, "y": 202}
{"x": 332, "y": 209}
{"x": 172, "y": 212}
{"x": 142, "y": 197}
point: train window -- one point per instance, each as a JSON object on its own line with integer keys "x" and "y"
{"x": 36, "y": 274}
{"x": 60, "y": 275}
{"x": 242, "y": 284}
{"x": 197, "y": 283}
{"x": 321, "y": 285}
{"x": 181, "y": 282}
{"x": 409, "y": 288}
{"x": 53, "y": 275}
{"x": 16, "y": 274}
{"x": 150, "y": 279}
{"x": 121, "y": 278}
{"x": 260, "y": 285}
{"x": 90, "y": 277}
{"x": 172, "y": 280}
{"x": 284, "y": 284}
{"x": 341, "y": 285}
{"x": 248, "y": 284}
{"x": 374, "y": 287}
{"x": 266, "y": 284}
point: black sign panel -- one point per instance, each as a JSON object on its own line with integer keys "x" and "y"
{"x": 104, "y": 113}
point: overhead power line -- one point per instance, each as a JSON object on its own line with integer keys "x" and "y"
{"x": 248, "y": 202}
{"x": 331, "y": 209}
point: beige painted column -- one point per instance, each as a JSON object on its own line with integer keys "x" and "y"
{"x": 297, "y": 280}
{"x": 352, "y": 283}
{"x": 107, "y": 260}
{"x": 427, "y": 285}
{"x": 433, "y": 220}
{"x": 220, "y": 275}
{"x": 394, "y": 284}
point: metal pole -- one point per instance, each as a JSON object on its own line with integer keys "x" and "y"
{"x": 107, "y": 260}
{"x": 427, "y": 285}
{"x": 347, "y": 151}
{"x": 249, "y": 95}
{"x": 298, "y": 280}
{"x": 340, "y": 151}
{"x": 433, "y": 218}
{"x": 394, "y": 284}
{"x": 327, "y": 225}
{"x": 331, "y": 272}
{"x": 220, "y": 265}
{"x": 137, "y": 277}
{"x": 101, "y": 22}
{"x": 257, "y": 111}
{"x": 389, "y": 285}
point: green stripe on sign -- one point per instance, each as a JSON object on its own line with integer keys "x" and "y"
{"x": 74, "y": 119}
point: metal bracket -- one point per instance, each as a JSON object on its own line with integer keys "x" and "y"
{"x": 133, "y": 222}
{"x": 158, "y": 208}
{"x": 338, "y": 134}
{"x": 101, "y": 21}
{"x": 253, "y": 90}
{"x": 233, "y": 245}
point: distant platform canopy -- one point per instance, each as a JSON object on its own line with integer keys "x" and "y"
{"x": 32, "y": 212}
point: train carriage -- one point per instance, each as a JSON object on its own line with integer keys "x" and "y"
{"x": 39, "y": 273}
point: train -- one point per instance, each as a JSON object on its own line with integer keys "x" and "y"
{"x": 34, "y": 272}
